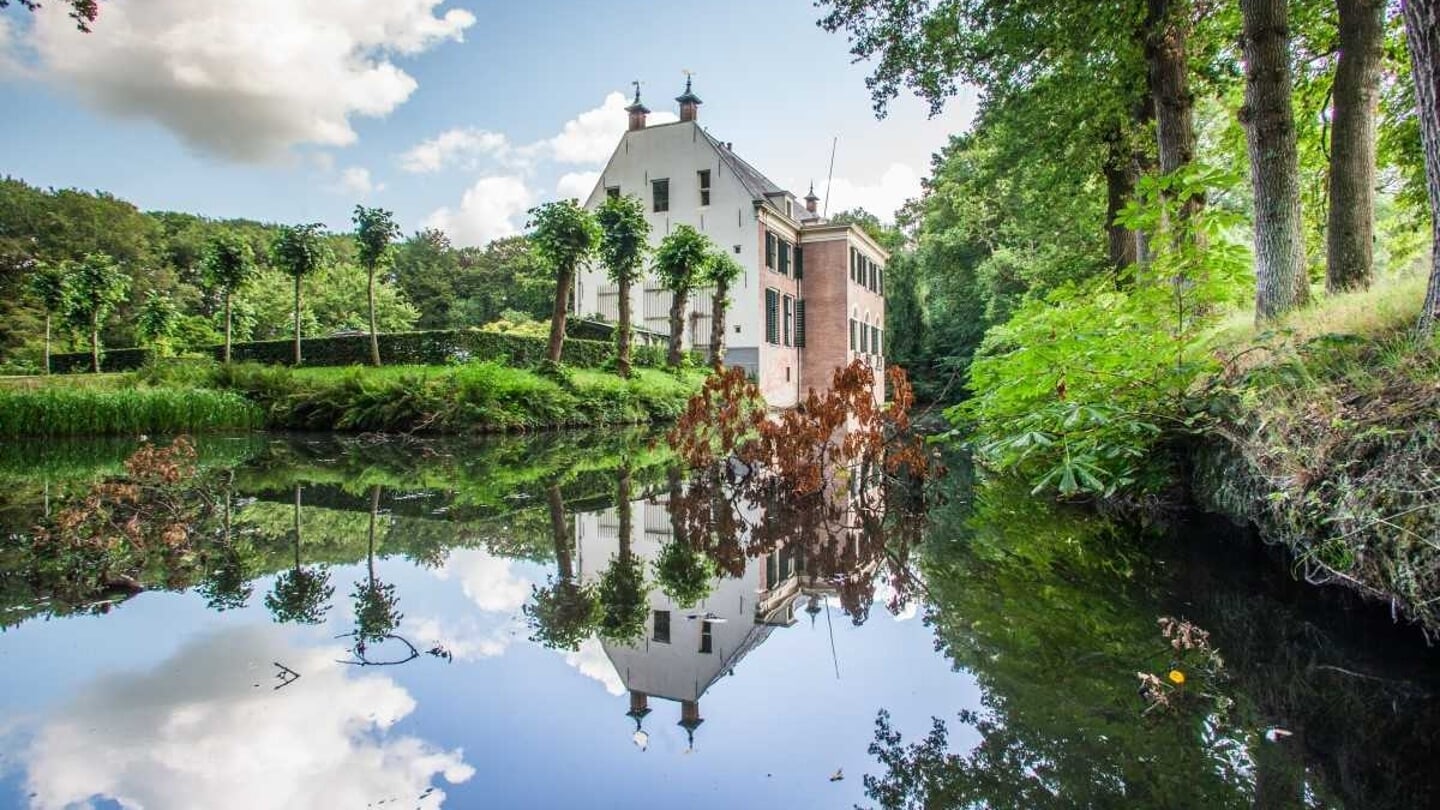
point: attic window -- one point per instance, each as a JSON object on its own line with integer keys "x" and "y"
{"x": 613, "y": 192}
{"x": 660, "y": 195}
{"x": 704, "y": 186}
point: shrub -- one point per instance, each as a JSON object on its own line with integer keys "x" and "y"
{"x": 82, "y": 411}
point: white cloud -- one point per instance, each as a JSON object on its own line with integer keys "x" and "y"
{"x": 490, "y": 209}
{"x": 462, "y": 147}
{"x": 489, "y": 581}
{"x": 592, "y": 662}
{"x": 356, "y": 180}
{"x": 197, "y": 731}
{"x": 897, "y": 184}
{"x": 577, "y": 185}
{"x": 244, "y": 79}
{"x": 465, "y": 639}
{"x": 591, "y": 136}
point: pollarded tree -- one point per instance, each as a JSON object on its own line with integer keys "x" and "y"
{"x": 97, "y": 284}
{"x": 1269, "y": 118}
{"x": 300, "y": 595}
{"x": 624, "y": 241}
{"x": 156, "y": 322}
{"x": 229, "y": 262}
{"x": 375, "y": 233}
{"x": 300, "y": 250}
{"x": 50, "y": 287}
{"x": 680, "y": 263}
{"x": 1422, "y": 33}
{"x": 721, "y": 271}
{"x": 564, "y": 235}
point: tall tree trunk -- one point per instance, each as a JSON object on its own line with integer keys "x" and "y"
{"x": 297, "y": 320}
{"x": 622, "y": 507}
{"x": 560, "y": 533}
{"x": 1280, "y": 280}
{"x": 1167, "y": 30}
{"x": 677, "y": 326}
{"x": 1350, "y": 233}
{"x": 228, "y": 295}
{"x": 1422, "y": 33}
{"x": 718, "y": 304}
{"x": 1120, "y": 178}
{"x": 374, "y": 512}
{"x": 374, "y": 338}
{"x": 624, "y": 333}
{"x": 95, "y": 342}
{"x": 563, "y": 281}
{"x": 47, "y": 342}
{"x": 297, "y": 527}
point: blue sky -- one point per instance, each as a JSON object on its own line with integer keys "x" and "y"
{"x": 453, "y": 113}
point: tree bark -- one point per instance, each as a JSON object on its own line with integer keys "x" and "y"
{"x": 297, "y": 527}
{"x": 297, "y": 320}
{"x": 227, "y": 327}
{"x": 563, "y": 280}
{"x": 622, "y": 507}
{"x": 624, "y": 334}
{"x": 1422, "y": 33}
{"x": 718, "y": 304}
{"x": 1350, "y": 232}
{"x": 374, "y": 338}
{"x": 374, "y": 511}
{"x": 1119, "y": 188}
{"x": 95, "y": 342}
{"x": 47, "y": 342}
{"x": 560, "y": 534}
{"x": 677, "y": 326}
{"x": 1280, "y": 279}
{"x": 1167, "y": 27}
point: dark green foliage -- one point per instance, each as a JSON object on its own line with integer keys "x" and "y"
{"x": 624, "y": 600}
{"x": 684, "y": 573}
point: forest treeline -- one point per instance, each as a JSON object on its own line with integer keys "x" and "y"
{"x": 427, "y": 284}
{"x": 1141, "y": 177}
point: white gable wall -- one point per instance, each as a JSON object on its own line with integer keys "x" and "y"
{"x": 678, "y": 152}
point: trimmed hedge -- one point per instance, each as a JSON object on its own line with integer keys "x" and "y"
{"x": 432, "y": 348}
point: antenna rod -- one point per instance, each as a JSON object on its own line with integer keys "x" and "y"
{"x": 828, "y": 177}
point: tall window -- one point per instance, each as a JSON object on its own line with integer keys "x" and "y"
{"x": 706, "y": 636}
{"x": 662, "y": 626}
{"x": 864, "y": 338}
{"x": 799, "y": 262}
{"x": 874, "y": 339}
{"x": 770, "y": 250}
{"x": 704, "y": 175}
{"x": 784, "y": 258}
{"x": 789, "y": 321}
{"x": 772, "y": 319}
{"x": 660, "y": 195}
{"x": 852, "y": 335}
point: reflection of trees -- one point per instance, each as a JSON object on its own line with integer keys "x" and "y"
{"x": 300, "y": 595}
{"x": 622, "y": 593}
{"x": 564, "y": 612}
{"x": 682, "y": 569}
{"x": 376, "y": 606}
{"x": 229, "y": 567}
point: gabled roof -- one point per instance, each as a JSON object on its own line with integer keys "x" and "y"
{"x": 756, "y": 183}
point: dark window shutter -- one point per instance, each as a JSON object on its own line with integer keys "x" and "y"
{"x": 799, "y": 315}
{"x": 852, "y": 334}
{"x": 784, "y": 258}
{"x": 799, "y": 262}
{"x": 769, "y": 250}
{"x": 772, "y": 306}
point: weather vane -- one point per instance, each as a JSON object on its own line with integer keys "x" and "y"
{"x": 637, "y": 89}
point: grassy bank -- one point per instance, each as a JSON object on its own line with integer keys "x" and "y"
{"x": 187, "y": 396}
{"x": 1330, "y": 444}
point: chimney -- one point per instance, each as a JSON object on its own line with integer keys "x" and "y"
{"x": 689, "y": 102}
{"x": 811, "y": 199}
{"x": 637, "y": 111}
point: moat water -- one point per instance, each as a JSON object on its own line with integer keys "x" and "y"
{"x": 545, "y": 622}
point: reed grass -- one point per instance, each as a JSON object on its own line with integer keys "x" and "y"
{"x": 64, "y": 411}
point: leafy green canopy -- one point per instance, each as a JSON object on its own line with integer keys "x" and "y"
{"x": 682, "y": 259}
{"x": 624, "y": 238}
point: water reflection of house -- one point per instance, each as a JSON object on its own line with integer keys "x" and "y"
{"x": 687, "y": 650}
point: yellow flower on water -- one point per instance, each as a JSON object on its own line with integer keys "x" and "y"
{"x": 1177, "y": 677}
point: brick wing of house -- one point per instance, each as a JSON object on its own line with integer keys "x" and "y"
{"x": 812, "y": 297}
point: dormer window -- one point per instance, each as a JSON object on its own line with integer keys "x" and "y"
{"x": 704, "y": 176}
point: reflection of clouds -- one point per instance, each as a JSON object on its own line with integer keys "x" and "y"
{"x": 465, "y": 639}
{"x": 884, "y": 593}
{"x": 488, "y": 580}
{"x": 196, "y": 731}
{"x": 592, "y": 662}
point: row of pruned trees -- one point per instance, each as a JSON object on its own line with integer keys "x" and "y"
{"x": 567, "y": 237}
